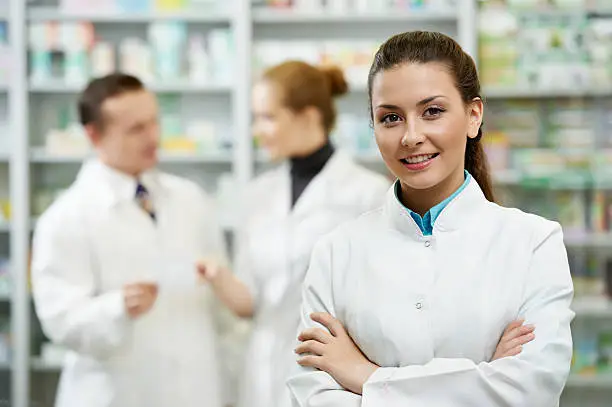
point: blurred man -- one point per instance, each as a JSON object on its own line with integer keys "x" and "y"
{"x": 114, "y": 266}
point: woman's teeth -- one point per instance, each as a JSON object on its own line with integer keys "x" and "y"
{"x": 419, "y": 159}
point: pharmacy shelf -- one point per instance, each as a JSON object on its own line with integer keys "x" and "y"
{"x": 272, "y": 16}
{"x": 182, "y": 87}
{"x": 595, "y": 240}
{"x": 506, "y": 177}
{"x": 41, "y": 14}
{"x": 592, "y": 307}
{"x": 39, "y": 156}
{"x": 494, "y": 93}
{"x": 560, "y": 11}
{"x": 530, "y": 93}
{"x": 592, "y": 382}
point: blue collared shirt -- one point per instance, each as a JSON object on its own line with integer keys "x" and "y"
{"x": 426, "y": 223}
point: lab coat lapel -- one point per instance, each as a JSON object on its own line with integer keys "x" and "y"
{"x": 319, "y": 189}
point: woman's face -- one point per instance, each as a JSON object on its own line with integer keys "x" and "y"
{"x": 276, "y": 127}
{"x": 421, "y": 124}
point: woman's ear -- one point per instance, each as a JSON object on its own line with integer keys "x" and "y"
{"x": 475, "y": 113}
{"x": 310, "y": 116}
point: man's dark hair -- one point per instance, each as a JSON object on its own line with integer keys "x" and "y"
{"x": 101, "y": 89}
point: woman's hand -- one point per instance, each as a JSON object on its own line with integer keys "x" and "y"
{"x": 334, "y": 352}
{"x": 209, "y": 270}
{"x": 515, "y": 336}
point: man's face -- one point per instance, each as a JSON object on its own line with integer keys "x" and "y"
{"x": 129, "y": 136}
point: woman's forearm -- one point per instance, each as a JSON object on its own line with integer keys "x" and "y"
{"x": 235, "y": 294}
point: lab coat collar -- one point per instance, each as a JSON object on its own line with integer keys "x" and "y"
{"x": 111, "y": 186}
{"x": 459, "y": 212}
{"x": 320, "y": 186}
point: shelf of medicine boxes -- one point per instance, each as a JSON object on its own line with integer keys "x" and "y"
{"x": 543, "y": 93}
{"x": 178, "y": 86}
{"x": 40, "y": 156}
{"x": 277, "y": 16}
{"x": 205, "y": 15}
{"x": 492, "y": 93}
{"x": 590, "y": 382}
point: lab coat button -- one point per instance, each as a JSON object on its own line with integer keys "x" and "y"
{"x": 427, "y": 243}
{"x": 419, "y": 305}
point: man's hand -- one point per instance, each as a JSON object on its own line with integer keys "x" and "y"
{"x": 139, "y": 298}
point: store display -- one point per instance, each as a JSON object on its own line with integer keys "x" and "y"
{"x": 353, "y": 57}
{"x": 159, "y": 59}
{"x": 593, "y": 353}
{"x": 566, "y": 50}
{"x": 359, "y": 6}
{"x": 136, "y": 6}
{"x": 586, "y": 275}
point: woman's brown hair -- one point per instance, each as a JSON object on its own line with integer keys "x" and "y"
{"x": 303, "y": 85}
{"x": 422, "y": 47}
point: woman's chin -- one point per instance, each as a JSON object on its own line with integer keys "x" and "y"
{"x": 420, "y": 181}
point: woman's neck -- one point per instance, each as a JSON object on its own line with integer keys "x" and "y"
{"x": 314, "y": 161}
{"x": 422, "y": 200}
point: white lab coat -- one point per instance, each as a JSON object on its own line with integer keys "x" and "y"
{"x": 92, "y": 241}
{"x": 430, "y": 310}
{"x": 273, "y": 255}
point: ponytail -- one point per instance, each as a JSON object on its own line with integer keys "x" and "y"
{"x": 476, "y": 164}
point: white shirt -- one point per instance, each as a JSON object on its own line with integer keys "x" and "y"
{"x": 431, "y": 310}
{"x": 91, "y": 242}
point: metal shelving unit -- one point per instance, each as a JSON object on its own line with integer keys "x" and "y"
{"x": 290, "y": 17}
{"x": 39, "y": 156}
{"x": 527, "y": 93}
{"x": 178, "y": 87}
{"x": 205, "y": 15}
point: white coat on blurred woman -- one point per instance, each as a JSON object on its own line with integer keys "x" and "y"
{"x": 113, "y": 267}
{"x": 287, "y": 210}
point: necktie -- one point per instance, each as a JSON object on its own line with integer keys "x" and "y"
{"x": 144, "y": 200}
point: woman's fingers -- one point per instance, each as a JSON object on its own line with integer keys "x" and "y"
{"x": 521, "y": 340}
{"x": 516, "y": 332}
{"x": 332, "y": 324}
{"x": 513, "y": 325}
{"x": 316, "y": 334}
{"x": 312, "y": 347}
{"x": 317, "y": 362}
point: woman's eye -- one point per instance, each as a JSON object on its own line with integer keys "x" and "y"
{"x": 433, "y": 112}
{"x": 391, "y": 118}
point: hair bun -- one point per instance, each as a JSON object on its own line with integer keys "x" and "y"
{"x": 337, "y": 81}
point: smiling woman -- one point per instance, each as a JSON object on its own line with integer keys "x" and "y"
{"x": 441, "y": 297}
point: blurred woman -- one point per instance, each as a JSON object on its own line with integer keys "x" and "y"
{"x": 289, "y": 209}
